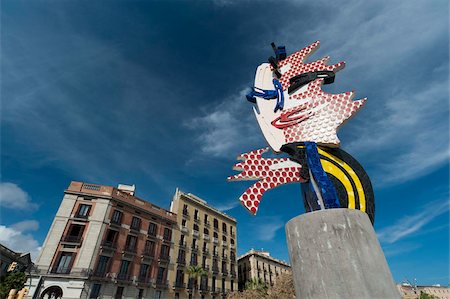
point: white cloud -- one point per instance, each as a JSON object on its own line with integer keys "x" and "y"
{"x": 228, "y": 128}
{"x": 16, "y": 238}
{"x": 13, "y": 197}
{"x": 228, "y": 205}
{"x": 412, "y": 224}
{"x": 266, "y": 228}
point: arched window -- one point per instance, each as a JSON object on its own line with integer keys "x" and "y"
{"x": 224, "y": 227}
{"x": 206, "y": 231}
{"x": 195, "y": 227}
{"x": 224, "y": 238}
{"x": 216, "y": 235}
{"x": 216, "y": 223}
{"x": 232, "y": 241}
{"x": 53, "y": 292}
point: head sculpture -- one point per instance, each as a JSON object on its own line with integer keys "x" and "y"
{"x": 298, "y": 118}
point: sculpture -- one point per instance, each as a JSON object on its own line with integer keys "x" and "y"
{"x": 298, "y": 118}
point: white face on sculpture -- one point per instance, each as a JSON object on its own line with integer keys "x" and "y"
{"x": 309, "y": 114}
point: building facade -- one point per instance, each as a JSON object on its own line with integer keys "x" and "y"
{"x": 260, "y": 265}
{"x": 409, "y": 291}
{"x": 105, "y": 243}
{"x": 206, "y": 237}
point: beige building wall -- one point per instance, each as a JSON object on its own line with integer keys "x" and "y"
{"x": 260, "y": 265}
{"x": 210, "y": 235}
{"x": 413, "y": 292}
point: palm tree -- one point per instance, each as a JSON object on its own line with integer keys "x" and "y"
{"x": 256, "y": 284}
{"x": 194, "y": 273}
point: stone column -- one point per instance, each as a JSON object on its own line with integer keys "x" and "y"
{"x": 335, "y": 253}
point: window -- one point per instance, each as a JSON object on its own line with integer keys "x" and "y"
{"x": 110, "y": 237}
{"x": 83, "y": 211}
{"x": 123, "y": 271}
{"x": 161, "y": 274}
{"x": 216, "y": 235}
{"x": 130, "y": 244}
{"x": 232, "y": 241}
{"x": 223, "y": 285}
{"x": 206, "y": 231}
{"x": 213, "y": 283}
{"x": 102, "y": 266}
{"x": 216, "y": 223}
{"x": 95, "y": 291}
{"x": 64, "y": 263}
{"x": 149, "y": 247}
{"x": 75, "y": 233}
{"x": 152, "y": 229}
{"x": 206, "y": 218}
{"x": 196, "y": 215}
{"x": 193, "y": 259}
{"x": 185, "y": 210}
{"x": 164, "y": 251}
{"x": 167, "y": 234}
{"x": 136, "y": 223}
{"x": 231, "y": 230}
{"x": 143, "y": 272}
{"x": 141, "y": 293}
{"x": 224, "y": 227}
{"x": 119, "y": 293}
{"x": 232, "y": 285}
{"x": 180, "y": 278}
{"x": 224, "y": 238}
{"x": 183, "y": 222}
{"x": 196, "y": 227}
{"x": 116, "y": 217}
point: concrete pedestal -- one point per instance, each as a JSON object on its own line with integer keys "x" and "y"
{"x": 335, "y": 253}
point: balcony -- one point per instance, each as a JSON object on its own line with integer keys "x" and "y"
{"x": 129, "y": 249}
{"x": 144, "y": 280}
{"x": 233, "y": 235}
{"x": 136, "y": 228}
{"x": 215, "y": 291}
{"x": 205, "y": 251}
{"x": 109, "y": 245}
{"x": 215, "y": 269}
{"x": 215, "y": 240}
{"x": 117, "y": 222}
{"x": 185, "y": 213}
{"x": 164, "y": 258}
{"x": 123, "y": 276}
{"x": 99, "y": 274}
{"x": 207, "y": 223}
{"x": 205, "y": 267}
{"x": 225, "y": 257}
{"x": 204, "y": 289}
{"x": 215, "y": 254}
{"x": 232, "y": 246}
{"x": 233, "y": 274}
{"x": 61, "y": 270}
{"x": 80, "y": 216}
{"x": 195, "y": 233}
{"x": 179, "y": 285}
{"x": 224, "y": 243}
{"x": 233, "y": 258}
{"x": 182, "y": 244}
{"x": 224, "y": 272}
{"x": 181, "y": 261}
{"x": 194, "y": 248}
{"x": 205, "y": 237}
{"x": 148, "y": 253}
{"x": 75, "y": 240}
{"x": 197, "y": 220}
{"x": 185, "y": 230}
{"x": 161, "y": 284}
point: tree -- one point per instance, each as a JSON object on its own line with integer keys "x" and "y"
{"x": 14, "y": 280}
{"x": 256, "y": 284}
{"x": 283, "y": 287}
{"x": 247, "y": 294}
{"x": 194, "y": 273}
{"x": 424, "y": 295}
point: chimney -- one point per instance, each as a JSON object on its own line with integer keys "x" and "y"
{"x": 129, "y": 189}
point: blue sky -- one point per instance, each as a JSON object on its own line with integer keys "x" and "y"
{"x": 151, "y": 93}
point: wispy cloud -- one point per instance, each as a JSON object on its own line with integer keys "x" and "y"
{"x": 13, "y": 197}
{"x": 228, "y": 128}
{"x": 227, "y": 205}
{"x": 18, "y": 238}
{"x": 265, "y": 228}
{"x": 412, "y": 224}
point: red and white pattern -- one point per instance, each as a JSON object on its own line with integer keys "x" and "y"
{"x": 269, "y": 172}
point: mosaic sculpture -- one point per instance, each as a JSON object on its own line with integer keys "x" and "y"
{"x": 298, "y": 118}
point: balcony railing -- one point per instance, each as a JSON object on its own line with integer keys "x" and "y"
{"x": 215, "y": 240}
{"x": 232, "y": 234}
{"x": 149, "y": 253}
{"x": 181, "y": 261}
{"x": 216, "y": 290}
{"x": 179, "y": 285}
{"x": 225, "y": 256}
{"x": 60, "y": 270}
{"x": 185, "y": 230}
{"x": 205, "y": 237}
{"x": 123, "y": 276}
{"x": 182, "y": 244}
{"x": 194, "y": 248}
{"x": 136, "y": 227}
{"x": 144, "y": 280}
{"x": 205, "y": 267}
{"x": 161, "y": 284}
{"x": 232, "y": 246}
{"x": 205, "y": 251}
{"x": 73, "y": 272}
{"x": 116, "y": 221}
{"x": 72, "y": 239}
{"x": 164, "y": 258}
{"x": 186, "y": 213}
{"x": 129, "y": 249}
{"x": 224, "y": 272}
{"x": 81, "y": 216}
{"x": 195, "y": 233}
{"x": 215, "y": 254}
{"x": 109, "y": 245}
{"x": 224, "y": 243}
{"x": 197, "y": 220}
{"x": 207, "y": 223}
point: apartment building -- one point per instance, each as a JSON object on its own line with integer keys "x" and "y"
{"x": 205, "y": 237}
{"x": 105, "y": 242}
{"x": 260, "y": 265}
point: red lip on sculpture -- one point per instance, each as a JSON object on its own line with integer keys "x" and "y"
{"x": 291, "y": 118}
